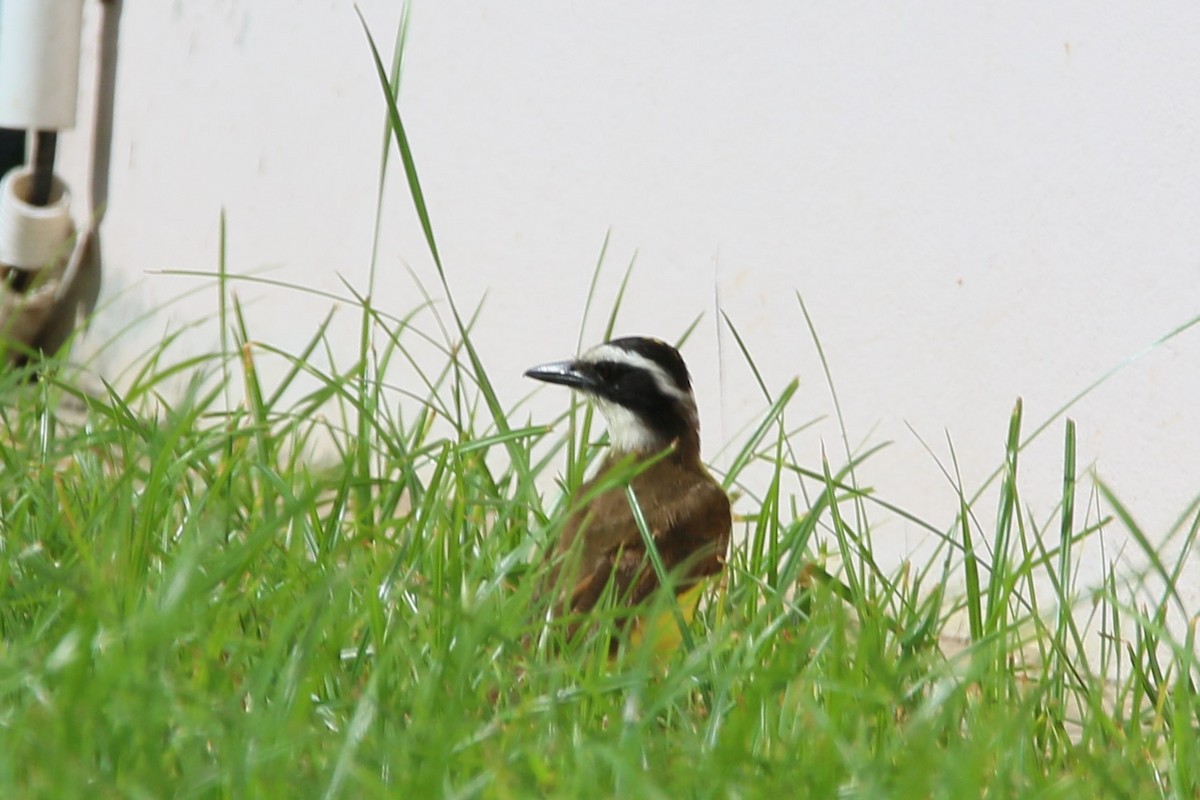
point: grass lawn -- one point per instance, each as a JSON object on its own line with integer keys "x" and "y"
{"x": 191, "y": 607}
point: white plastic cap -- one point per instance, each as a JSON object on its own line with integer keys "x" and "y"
{"x": 33, "y": 237}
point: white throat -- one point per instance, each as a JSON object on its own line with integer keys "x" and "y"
{"x": 627, "y": 433}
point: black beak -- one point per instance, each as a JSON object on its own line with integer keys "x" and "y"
{"x": 572, "y": 373}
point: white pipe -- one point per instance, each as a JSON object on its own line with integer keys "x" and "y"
{"x": 32, "y": 237}
{"x": 39, "y": 63}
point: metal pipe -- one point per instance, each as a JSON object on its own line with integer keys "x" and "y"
{"x": 44, "y": 145}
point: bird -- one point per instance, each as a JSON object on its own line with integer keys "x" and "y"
{"x": 643, "y": 390}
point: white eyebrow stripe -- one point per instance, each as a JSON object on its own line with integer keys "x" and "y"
{"x": 607, "y": 352}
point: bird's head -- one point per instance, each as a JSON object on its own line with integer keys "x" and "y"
{"x": 642, "y": 388}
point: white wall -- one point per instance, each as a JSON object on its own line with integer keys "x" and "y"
{"x": 977, "y": 201}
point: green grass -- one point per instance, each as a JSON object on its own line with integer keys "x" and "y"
{"x": 193, "y": 606}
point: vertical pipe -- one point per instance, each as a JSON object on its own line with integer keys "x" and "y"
{"x": 45, "y": 143}
{"x": 39, "y": 63}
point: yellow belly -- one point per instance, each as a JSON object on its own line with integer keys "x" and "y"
{"x": 660, "y": 631}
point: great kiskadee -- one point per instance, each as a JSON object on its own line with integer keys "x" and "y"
{"x": 642, "y": 388}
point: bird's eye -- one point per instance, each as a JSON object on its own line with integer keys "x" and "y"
{"x": 610, "y": 373}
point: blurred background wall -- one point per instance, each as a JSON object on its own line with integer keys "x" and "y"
{"x": 977, "y": 202}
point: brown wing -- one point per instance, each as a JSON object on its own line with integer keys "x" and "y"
{"x": 686, "y": 512}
